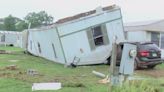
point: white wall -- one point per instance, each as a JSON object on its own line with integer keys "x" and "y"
{"x": 115, "y": 28}
{"x": 72, "y": 44}
{"x": 74, "y": 37}
{"x": 137, "y": 36}
{"x": 148, "y": 36}
{"x": 46, "y": 38}
{"x": 88, "y": 22}
{"x": 13, "y": 38}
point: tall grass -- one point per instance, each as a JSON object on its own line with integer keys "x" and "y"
{"x": 140, "y": 86}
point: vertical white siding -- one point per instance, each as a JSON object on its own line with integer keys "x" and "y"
{"x": 137, "y": 36}
{"x": 115, "y": 28}
{"x": 46, "y": 38}
{"x": 73, "y": 43}
{"x": 74, "y": 40}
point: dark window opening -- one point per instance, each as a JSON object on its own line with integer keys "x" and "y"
{"x": 39, "y": 48}
{"x": 97, "y": 36}
{"x": 99, "y": 41}
{"x": 53, "y": 47}
{"x": 97, "y": 31}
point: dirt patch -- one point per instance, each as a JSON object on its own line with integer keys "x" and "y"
{"x": 162, "y": 85}
{"x": 73, "y": 85}
{"x": 151, "y": 72}
{"x": 4, "y": 75}
{"x": 5, "y": 52}
{"x": 12, "y": 67}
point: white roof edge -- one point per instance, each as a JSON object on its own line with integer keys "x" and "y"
{"x": 142, "y": 23}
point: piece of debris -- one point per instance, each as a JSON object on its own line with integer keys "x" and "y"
{"x": 12, "y": 67}
{"x": 46, "y": 86}
{"x": 5, "y": 52}
{"x": 105, "y": 80}
{"x": 98, "y": 74}
{"x": 32, "y": 72}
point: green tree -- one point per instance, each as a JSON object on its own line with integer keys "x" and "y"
{"x": 21, "y": 25}
{"x": 2, "y": 27}
{"x": 38, "y": 19}
{"x": 9, "y": 23}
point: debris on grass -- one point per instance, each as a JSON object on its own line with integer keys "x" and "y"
{"x": 5, "y": 74}
{"x": 5, "y": 52}
{"x": 104, "y": 81}
{"x": 98, "y": 74}
{"x": 32, "y": 72}
{"x": 11, "y": 67}
{"x": 46, "y": 86}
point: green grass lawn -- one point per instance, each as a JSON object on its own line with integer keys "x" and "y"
{"x": 78, "y": 79}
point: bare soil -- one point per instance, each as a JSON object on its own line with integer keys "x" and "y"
{"x": 156, "y": 73}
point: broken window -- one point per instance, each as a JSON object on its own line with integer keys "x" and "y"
{"x": 39, "y": 48}
{"x": 97, "y": 36}
{"x": 53, "y": 47}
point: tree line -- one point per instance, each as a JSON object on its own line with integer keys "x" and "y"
{"x": 11, "y": 23}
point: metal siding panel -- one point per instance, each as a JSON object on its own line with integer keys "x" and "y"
{"x": 88, "y": 22}
{"x": 90, "y": 39}
{"x": 127, "y": 62}
{"x": 105, "y": 34}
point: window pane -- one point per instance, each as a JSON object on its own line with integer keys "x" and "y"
{"x": 97, "y": 31}
{"x": 99, "y": 41}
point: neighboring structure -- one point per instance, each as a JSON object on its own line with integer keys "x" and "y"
{"x": 11, "y": 38}
{"x": 86, "y": 37}
{"x": 151, "y": 31}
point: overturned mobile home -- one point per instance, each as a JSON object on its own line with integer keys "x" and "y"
{"x": 85, "y": 38}
{"x": 11, "y": 38}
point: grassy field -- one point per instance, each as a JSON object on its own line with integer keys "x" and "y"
{"x": 78, "y": 79}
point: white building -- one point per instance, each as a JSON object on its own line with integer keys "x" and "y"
{"x": 149, "y": 31}
{"x": 86, "y": 37}
{"x": 11, "y": 38}
{"x": 152, "y": 31}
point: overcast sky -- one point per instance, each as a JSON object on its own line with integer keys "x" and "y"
{"x": 132, "y": 10}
